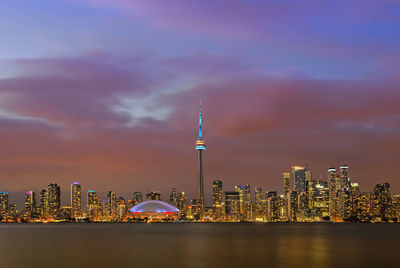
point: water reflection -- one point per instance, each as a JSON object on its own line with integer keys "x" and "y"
{"x": 199, "y": 245}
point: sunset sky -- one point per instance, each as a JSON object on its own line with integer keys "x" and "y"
{"x": 107, "y": 92}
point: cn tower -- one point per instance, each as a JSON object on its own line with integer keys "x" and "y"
{"x": 200, "y": 147}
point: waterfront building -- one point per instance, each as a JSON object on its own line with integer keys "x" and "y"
{"x": 286, "y": 182}
{"x": 182, "y": 205}
{"x": 299, "y": 179}
{"x": 217, "y": 199}
{"x": 111, "y": 204}
{"x": 200, "y": 147}
{"x": 272, "y": 208}
{"x": 344, "y": 177}
{"x": 173, "y": 198}
{"x": 232, "y": 206}
{"x": 76, "y": 204}
{"x": 260, "y": 209}
{"x": 363, "y": 211}
{"x": 52, "y": 200}
{"x": 3, "y": 203}
{"x": 93, "y": 206}
{"x": 121, "y": 208}
{"x": 30, "y": 202}
{"x": 292, "y": 205}
{"x": 382, "y": 202}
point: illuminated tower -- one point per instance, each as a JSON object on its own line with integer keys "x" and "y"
{"x": 200, "y": 147}
{"x": 76, "y": 205}
{"x": 30, "y": 201}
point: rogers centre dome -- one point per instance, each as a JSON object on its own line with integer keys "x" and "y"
{"x": 153, "y": 208}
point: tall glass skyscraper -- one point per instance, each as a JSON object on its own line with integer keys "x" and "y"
{"x": 200, "y": 147}
{"x": 76, "y": 200}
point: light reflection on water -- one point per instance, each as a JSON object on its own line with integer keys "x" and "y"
{"x": 199, "y": 245}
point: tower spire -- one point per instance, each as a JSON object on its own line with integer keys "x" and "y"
{"x": 200, "y": 126}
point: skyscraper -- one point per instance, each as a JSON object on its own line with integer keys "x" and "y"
{"x": 92, "y": 203}
{"x": 286, "y": 182}
{"x": 137, "y": 198}
{"x": 232, "y": 206}
{"x": 217, "y": 199}
{"x": 344, "y": 177}
{"x": 299, "y": 179}
{"x": 3, "y": 203}
{"x": 76, "y": 204}
{"x": 173, "y": 198}
{"x": 52, "y": 199}
{"x": 111, "y": 204}
{"x": 200, "y": 147}
{"x": 30, "y": 201}
{"x": 259, "y": 205}
{"x": 382, "y": 202}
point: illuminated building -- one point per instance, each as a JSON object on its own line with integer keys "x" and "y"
{"x": 319, "y": 198}
{"x": 64, "y": 213}
{"x": 299, "y": 179}
{"x": 42, "y": 202}
{"x": 200, "y": 147}
{"x": 154, "y": 210}
{"x": 76, "y": 204}
{"x": 173, "y": 198}
{"x": 260, "y": 212}
{"x": 363, "y": 212}
{"x": 292, "y": 205}
{"x": 282, "y": 207}
{"x": 232, "y": 206}
{"x": 396, "y": 206}
{"x": 3, "y": 203}
{"x": 92, "y": 204}
{"x": 121, "y": 208}
{"x": 111, "y": 204}
{"x": 182, "y": 205}
{"x": 137, "y": 198}
{"x": 153, "y": 196}
{"x": 30, "y": 201}
{"x": 217, "y": 199}
{"x": 105, "y": 210}
{"x": 52, "y": 200}
{"x": 272, "y": 207}
{"x": 344, "y": 205}
{"x": 286, "y": 182}
{"x": 334, "y": 188}
{"x": 382, "y": 202}
{"x": 344, "y": 177}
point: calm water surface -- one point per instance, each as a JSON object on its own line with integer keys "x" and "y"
{"x": 200, "y": 245}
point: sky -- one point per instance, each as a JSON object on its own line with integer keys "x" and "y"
{"x": 107, "y": 93}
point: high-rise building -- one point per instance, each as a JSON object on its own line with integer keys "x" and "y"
{"x": 137, "y": 198}
{"x": 121, "y": 208}
{"x": 260, "y": 212}
{"x": 182, "y": 205}
{"x": 43, "y": 202}
{"x": 286, "y": 182}
{"x": 173, "y": 198}
{"x": 363, "y": 205}
{"x": 52, "y": 199}
{"x": 232, "y": 206}
{"x": 200, "y": 147}
{"x": 272, "y": 209}
{"x": 30, "y": 201}
{"x": 292, "y": 200}
{"x": 111, "y": 204}
{"x": 299, "y": 179}
{"x": 92, "y": 203}
{"x": 344, "y": 177}
{"x": 3, "y": 203}
{"x": 382, "y": 202}
{"x": 217, "y": 199}
{"x": 153, "y": 195}
{"x": 76, "y": 204}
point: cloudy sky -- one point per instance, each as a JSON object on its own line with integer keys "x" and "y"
{"x": 107, "y": 92}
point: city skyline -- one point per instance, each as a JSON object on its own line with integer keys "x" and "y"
{"x": 106, "y": 92}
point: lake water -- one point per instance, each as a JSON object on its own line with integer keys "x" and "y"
{"x": 199, "y": 245}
